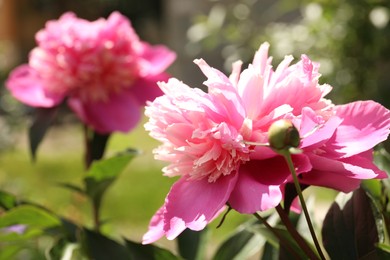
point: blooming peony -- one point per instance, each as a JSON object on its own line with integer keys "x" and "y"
{"x": 212, "y": 140}
{"x": 102, "y": 68}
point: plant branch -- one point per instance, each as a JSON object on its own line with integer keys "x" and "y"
{"x": 282, "y": 240}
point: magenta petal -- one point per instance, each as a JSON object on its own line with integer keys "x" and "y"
{"x": 147, "y": 89}
{"x": 155, "y": 59}
{"x": 193, "y": 204}
{"x": 156, "y": 228}
{"x": 355, "y": 167}
{"x": 121, "y": 113}
{"x": 274, "y": 171}
{"x": 26, "y": 86}
{"x": 330, "y": 180}
{"x": 249, "y": 195}
{"x": 365, "y": 124}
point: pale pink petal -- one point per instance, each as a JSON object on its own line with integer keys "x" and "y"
{"x": 156, "y": 228}
{"x": 365, "y": 124}
{"x": 122, "y": 113}
{"x": 193, "y": 204}
{"x": 250, "y": 89}
{"x": 314, "y": 130}
{"x": 26, "y": 86}
{"x": 235, "y": 75}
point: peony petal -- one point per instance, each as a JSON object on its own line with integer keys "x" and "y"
{"x": 26, "y": 86}
{"x": 147, "y": 89}
{"x": 250, "y": 195}
{"x": 330, "y": 180}
{"x": 355, "y": 167}
{"x": 250, "y": 88}
{"x": 155, "y": 59}
{"x": 313, "y": 132}
{"x": 274, "y": 170}
{"x": 121, "y": 113}
{"x": 156, "y": 228}
{"x": 193, "y": 204}
{"x": 365, "y": 124}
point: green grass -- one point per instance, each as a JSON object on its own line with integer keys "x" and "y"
{"x": 129, "y": 203}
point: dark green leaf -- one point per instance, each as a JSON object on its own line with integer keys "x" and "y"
{"x": 100, "y": 247}
{"x": 240, "y": 245}
{"x": 95, "y": 145}
{"x": 349, "y": 231}
{"x": 290, "y": 193}
{"x": 274, "y": 241}
{"x": 42, "y": 120}
{"x": 269, "y": 252}
{"x": 7, "y": 201}
{"x": 191, "y": 244}
{"x": 104, "y": 172}
{"x": 149, "y": 252}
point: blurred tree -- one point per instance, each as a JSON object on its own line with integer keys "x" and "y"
{"x": 350, "y": 38}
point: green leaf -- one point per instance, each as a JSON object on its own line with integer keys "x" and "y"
{"x": 149, "y": 252}
{"x": 191, "y": 244}
{"x": 8, "y": 252}
{"x": 7, "y": 200}
{"x": 274, "y": 241}
{"x": 241, "y": 245}
{"x": 349, "y": 231}
{"x": 33, "y": 220}
{"x": 72, "y": 187}
{"x": 100, "y": 247}
{"x": 103, "y": 173}
{"x": 30, "y": 216}
{"x": 42, "y": 120}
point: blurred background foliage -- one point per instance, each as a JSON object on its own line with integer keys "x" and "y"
{"x": 350, "y": 38}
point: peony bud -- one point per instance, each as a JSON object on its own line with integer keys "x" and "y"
{"x": 282, "y": 135}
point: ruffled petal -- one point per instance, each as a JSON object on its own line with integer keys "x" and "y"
{"x": 26, "y": 86}
{"x": 121, "y": 113}
{"x": 365, "y": 124}
{"x": 193, "y": 204}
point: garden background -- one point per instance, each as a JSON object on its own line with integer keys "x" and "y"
{"x": 351, "y": 40}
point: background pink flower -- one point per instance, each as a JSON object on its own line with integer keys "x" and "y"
{"x": 211, "y": 140}
{"x": 101, "y": 67}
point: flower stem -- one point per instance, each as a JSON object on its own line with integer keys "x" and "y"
{"x": 287, "y": 157}
{"x": 282, "y": 240}
{"x": 96, "y": 216}
{"x": 294, "y": 233}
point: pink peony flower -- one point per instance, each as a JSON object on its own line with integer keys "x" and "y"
{"x": 211, "y": 140}
{"x": 103, "y": 69}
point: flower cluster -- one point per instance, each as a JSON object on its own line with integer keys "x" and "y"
{"x": 211, "y": 140}
{"x": 102, "y": 68}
